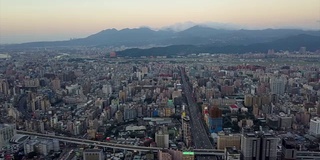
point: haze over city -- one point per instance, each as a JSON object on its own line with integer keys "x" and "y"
{"x": 38, "y": 20}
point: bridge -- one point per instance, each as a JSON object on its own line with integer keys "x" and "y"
{"x": 209, "y": 152}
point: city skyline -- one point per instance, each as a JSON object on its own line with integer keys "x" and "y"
{"x": 25, "y": 21}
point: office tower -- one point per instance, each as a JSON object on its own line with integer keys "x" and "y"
{"x": 7, "y": 131}
{"x": 162, "y": 138}
{"x": 130, "y": 112}
{"x": 259, "y": 146}
{"x": 186, "y": 131}
{"x": 215, "y": 120}
{"x": 93, "y": 154}
{"x": 289, "y": 149}
{"x": 269, "y": 147}
{"x": 250, "y": 146}
{"x": 315, "y": 126}
{"x": 277, "y": 85}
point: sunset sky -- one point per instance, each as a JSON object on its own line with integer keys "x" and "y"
{"x": 42, "y": 20}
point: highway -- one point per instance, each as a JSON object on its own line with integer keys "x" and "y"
{"x": 114, "y": 145}
{"x": 199, "y": 134}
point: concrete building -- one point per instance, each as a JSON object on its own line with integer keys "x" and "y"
{"x": 289, "y": 149}
{"x": 7, "y": 131}
{"x": 259, "y": 146}
{"x": 162, "y": 138}
{"x": 231, "y": 153}
{"x": 250, "y": 146}
{"x": 277, "y": 85}
{"x": 215, "y": 120}
{"x": 315, "y": 126}
{"x": 130, "y": 112}
{"x": 93, "y": 154}
{"x": 248, "y": 100}
{"x": 269, "y": 147}
{"x": 228, "y": 140}
{"x": 162, "y": 155}
{"x": 186, "y": 131}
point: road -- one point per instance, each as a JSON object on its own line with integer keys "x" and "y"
{"x": 113, "y": 145}
{"x": 199, "y": 134}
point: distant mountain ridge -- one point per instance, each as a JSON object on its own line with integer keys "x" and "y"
{"x": 196, "y": 35}
{"x": 292, "y": 43}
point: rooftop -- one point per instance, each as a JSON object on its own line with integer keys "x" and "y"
{"x": 232, "y": 150}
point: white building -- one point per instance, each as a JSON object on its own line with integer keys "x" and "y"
{"x": 162, "y": 139}
{"x": 277, "y": 85}
{"x": 7, "y": 131}
{"x": 315, "y": 126}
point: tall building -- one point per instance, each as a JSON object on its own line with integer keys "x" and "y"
{"x": 119, "y": 116}
{"x": 277, "y": 85}
{"x": 289, "y": 149}
{"x": 315, "y": 126}
{"x": 162, "y": 138}
{"x": 259, "y": 146}
{"x": 56, "y": 84}
{"x": 7, "y": 131}
{"x": 248, "y": 100}
{"x": 130, "y": 112}
{"x": 215, "y": 120}
{"x": 250, "y": 146}
{"x": 93, "y": 154}
{"x": 269, "y": 147}
{"x": 4, "y": 87}
{"x": 186, "y": 131}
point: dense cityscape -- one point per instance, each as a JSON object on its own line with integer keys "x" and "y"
{"x": 96, "y": 105}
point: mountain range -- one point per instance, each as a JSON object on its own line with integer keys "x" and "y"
{"x": 195, "y": 37}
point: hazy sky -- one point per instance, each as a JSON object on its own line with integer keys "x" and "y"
{"x": 33, "y": 20}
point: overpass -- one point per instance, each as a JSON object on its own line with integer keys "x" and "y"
{"x": 115, "y": 145}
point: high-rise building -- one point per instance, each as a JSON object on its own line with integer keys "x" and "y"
{"x": 315, "y": 126}
{"x": 277, "y": 85}
{"x": 162, "y": 138}
{"x": 259, "y": 146}
{"x": 269, "y": 147}
{"x": 130, "y": 112}
{"x": 289, "y": 149}
{"x": 4, "y": 86}
{"x": 186, "y": 131}
{"x": 119, "y": 116}
{"x": 215, "y": 120}
{"x": 7, "y": 131}
{"x": 93, "y": 154}
{"x": 250, "y": 146}
{"x": 248, "y": 100}
{"x": 56, "y": 84}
